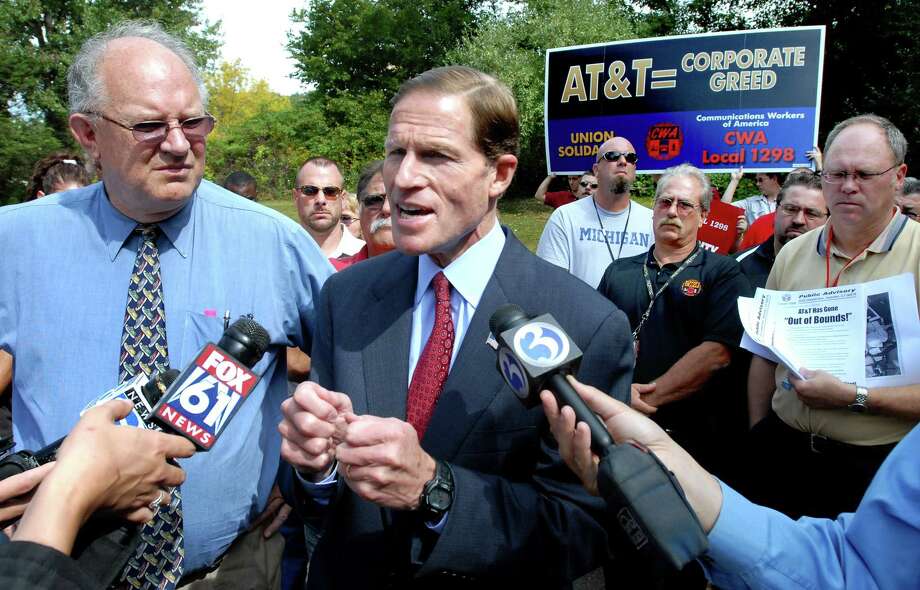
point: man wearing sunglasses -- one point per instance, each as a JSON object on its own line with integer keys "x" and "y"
{"x": 135, "y": 274}
{"x": 373, "y": 215}
{"x": 823, "y": 439}
{"x": 580, "y": 186}
{"x": 318, "y": 197}
{"x": 584, "y": 237}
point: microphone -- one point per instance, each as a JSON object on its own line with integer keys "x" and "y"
{"x": 645, "y": 502}
{"x": 536, "y": 354}
{"x": 209, "y": 392}
{"x": 141, "y": 391}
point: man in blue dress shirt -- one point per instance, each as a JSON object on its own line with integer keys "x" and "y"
{"x": 137, "y": 107}
{"x": 752, "y": 546}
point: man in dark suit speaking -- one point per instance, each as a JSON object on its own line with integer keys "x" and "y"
{"x": 425, "y": 471}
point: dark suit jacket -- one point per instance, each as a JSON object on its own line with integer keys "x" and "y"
{"x": 518, "y": 514}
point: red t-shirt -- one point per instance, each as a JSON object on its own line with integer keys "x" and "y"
{"x": 557, "y": 199}
{"x": 758, "y": 232}
{"x": 346, "y": 261}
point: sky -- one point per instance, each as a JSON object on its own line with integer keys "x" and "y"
{"x": 255, "y": 33}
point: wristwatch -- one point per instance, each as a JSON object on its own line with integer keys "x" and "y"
{"x": 438, "y": 494}
{"x": 861, "y": 404}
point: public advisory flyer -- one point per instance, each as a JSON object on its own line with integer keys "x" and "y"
{"x": 715, "y": 100}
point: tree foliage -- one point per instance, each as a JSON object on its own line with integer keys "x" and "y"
{"x": 367, "y": 45}
{"x": 235, "y": 97}
{"x": 513, "y": 48}
{"x": 38, "y": 40}
{"x": 272, "y": 144}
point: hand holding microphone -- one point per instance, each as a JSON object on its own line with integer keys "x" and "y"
{"x": 100, "y": 466}
{"x": 645, "y": 504}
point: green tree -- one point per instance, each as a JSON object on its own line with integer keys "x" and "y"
{"x": 37, "y": 42}
{"x": 234, "y": 96}
{"x": 365, "y": 45}
{"x": 272, "y": 144}
{"x": 513, "y": 48}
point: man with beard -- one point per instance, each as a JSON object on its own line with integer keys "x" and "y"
{"x": 800, "y": 208}
{"x": 318, "y": 197}
{"x": 680, "y": 300}
{"x": 585, "y": 236}
{"x": 373, "y": 215}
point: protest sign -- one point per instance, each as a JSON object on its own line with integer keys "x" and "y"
{"x": 720, "y": 229}
{"x": 715, "y": 100}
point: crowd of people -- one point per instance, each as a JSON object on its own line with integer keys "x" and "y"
{"x": 380, "y": 439}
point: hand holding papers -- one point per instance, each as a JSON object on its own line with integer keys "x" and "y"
{"x": 858, "y": 333}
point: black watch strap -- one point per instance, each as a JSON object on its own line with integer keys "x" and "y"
{"x": 438, "y": 493}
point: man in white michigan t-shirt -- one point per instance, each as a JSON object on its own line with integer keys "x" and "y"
{"x": 584, "y": 237}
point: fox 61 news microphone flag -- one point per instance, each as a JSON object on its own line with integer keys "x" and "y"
{"x": 208, "y": 393}
{"x": 141, "y": 391}
{"x": 644, "y": 500}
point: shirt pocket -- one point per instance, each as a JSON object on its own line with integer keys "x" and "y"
{"x": 198, "y": 330}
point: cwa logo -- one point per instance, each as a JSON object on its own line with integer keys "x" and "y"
{"x": 664, "y": 141}
{"x": 208, "y": 393}
{"x": 541, "y": 344}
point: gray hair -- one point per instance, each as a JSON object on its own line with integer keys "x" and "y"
{"x": 911, "y": 186}
{"x": 690, "y": 171}
{"x": 896, "y": 140}
{"x": 85, "y": 88}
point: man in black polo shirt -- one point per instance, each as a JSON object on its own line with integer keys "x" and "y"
{"x": 800, "y": 207}
{"x": 687, "y": 297}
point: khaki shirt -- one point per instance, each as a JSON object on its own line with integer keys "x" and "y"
{"x": 800, "y": 266}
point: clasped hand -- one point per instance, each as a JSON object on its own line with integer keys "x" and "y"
{"x": 380, "y": 459}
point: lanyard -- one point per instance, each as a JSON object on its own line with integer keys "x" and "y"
{"x": 827, "y": 260}
{"x": 604, "y": 232}
{"x": 654, "y": 295}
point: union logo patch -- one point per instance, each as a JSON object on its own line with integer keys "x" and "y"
{"x": 664, "y": 141}
{"x": 691, "y": 287}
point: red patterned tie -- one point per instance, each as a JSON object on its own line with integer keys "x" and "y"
{"x": 434, "y": 362}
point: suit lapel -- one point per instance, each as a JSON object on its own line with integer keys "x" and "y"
{"x": 386, "y": 358}
{"x": 473, "y": 381}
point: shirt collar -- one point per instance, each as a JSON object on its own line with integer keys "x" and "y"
{"x": 884, "y": 242}
{"x": 117, "y": 227}
{"x": 650, "y": 257}
{"x": 470, "y": 273}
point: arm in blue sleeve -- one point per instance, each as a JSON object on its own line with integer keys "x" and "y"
{"x": 876, "y": 547}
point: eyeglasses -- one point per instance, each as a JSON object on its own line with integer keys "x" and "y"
{"x": 309, "y": 190}
{"x": 373, "y": 202}
{"x": 347, "y": 219}
{"x": 684, "y": 207}
{"x": 810, "y": 214}
{"x": 631, "y": 157}
{"x": 194, "y": 128}
{"x": 859, "y": 176}
{"x": 910, "y": 213}
{"x": 586, "y": 184}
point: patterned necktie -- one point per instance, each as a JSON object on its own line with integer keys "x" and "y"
{"x": 434, "y": 362}
{"x": 157, "y": 562}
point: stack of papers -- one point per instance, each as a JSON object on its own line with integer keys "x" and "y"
{"x": 864, "y": 333}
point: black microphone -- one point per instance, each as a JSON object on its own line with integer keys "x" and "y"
{"x": 536, "y": 354}
{"x": 645, "y": 502}
{"x": 143, "y": 393}
{"x": 209, "y": 392}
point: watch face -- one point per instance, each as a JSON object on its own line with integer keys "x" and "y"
{"x": 439, "y": 499}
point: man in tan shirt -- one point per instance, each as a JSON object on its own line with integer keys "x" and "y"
{"x": 824, "y": 439}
